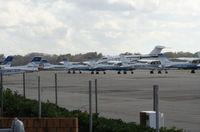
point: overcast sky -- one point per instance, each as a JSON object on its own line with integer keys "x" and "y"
{"x": 107, "y": 26}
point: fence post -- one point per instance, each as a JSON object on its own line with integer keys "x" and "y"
{"x": 154, "y": 97}
{"x": 1, "y": 94}
{"x": 90, "y": 105}
{"x": 56, "y": 89}
{"x": 24, "y": 85}
{"x": 39, "y": 98}
{"x": 156, "y": 105}
{"x": 96, "y": 102}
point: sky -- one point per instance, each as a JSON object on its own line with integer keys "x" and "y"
{"x": 110, "y": 27}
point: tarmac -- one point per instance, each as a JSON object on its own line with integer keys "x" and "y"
{"x": 120, "y": 96}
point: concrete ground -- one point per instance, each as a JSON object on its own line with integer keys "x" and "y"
{"x": 122, "y": 96}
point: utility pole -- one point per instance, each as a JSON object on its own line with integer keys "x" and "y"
{"x": 1, "y": 94}
{"x": 39, "y": 98}
{"x": 96, "y": 99}
{"x": 56, "y": 89}
{"x": 90, "y": 106}
{"x": 24, "y": 85}
{"x": 156, "y": 105}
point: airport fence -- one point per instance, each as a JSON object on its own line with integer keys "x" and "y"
{"x": 123, "y": 99}
{"x": 56, "y": 87}
{"x": 67, "y": 90}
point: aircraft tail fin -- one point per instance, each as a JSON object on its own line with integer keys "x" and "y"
{"x": 91, "y": 61}
{"x": 163, "y": 59}
{"x": 7, "y": 61}
{"x": 45, "y": 63}
{"x": 35, "y": 61}
{"x": 66, "y": 62}
{"x": 157, "y": 50}
{"x": 198, "y": 53}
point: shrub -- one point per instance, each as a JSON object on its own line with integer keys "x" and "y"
{"x": 16, "y": 105}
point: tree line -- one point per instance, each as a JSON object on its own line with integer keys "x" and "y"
{"x": 55, "y": 59}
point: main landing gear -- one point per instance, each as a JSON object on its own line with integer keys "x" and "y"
{"x": 124, "y": 72}
{"x": 159, "y": 72}
{"x": 151, "y": 72}
{"x": 192, "y": 71}
{"x": 97, "y": 72}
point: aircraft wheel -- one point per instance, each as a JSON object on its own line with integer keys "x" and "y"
{"x": 118, "y": 72}
{"x": 166, "y": 72}
{"x": 97, "y": 72}
{"x": 80, "y": 72}
{"x": 132, "y": 72}
{"x": 192, "y": 71}
{"x": 125, "y": 72}
{"x": 104, "y": 72}
{"x": 159, "y": 72}
{"x": 69, "y": 72}
{"x": 151, "y": 72}
{"x": 74, "y": 72}
{"x": 92, "y": 72}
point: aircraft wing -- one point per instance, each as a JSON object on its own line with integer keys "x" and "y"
{"x": 114, "y": 62}
{"x": 186, "y": 59}
{"x": 148, "y": 60}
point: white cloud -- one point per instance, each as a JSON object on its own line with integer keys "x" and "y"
{"x": 113, "y": 34}
{"x": 107, "y": 26}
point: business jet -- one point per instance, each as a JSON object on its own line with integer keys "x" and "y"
{"x": 149, "y": 64}
{"x": 153, "y": 54}
{"x": 190, "y": 59}
{"x": 119, "y": 66}
{"x": 165, "y": 63}
{"x": 114, "y": 67}
{"x": 45, "y": 65}
{"x": 31, "y": 66}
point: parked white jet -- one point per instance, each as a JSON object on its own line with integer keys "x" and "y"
{"x": 165, "y": 63}
{"x": 31, "y": 66}
{"x": 154, "y": 53}
{"x": 46, "y": 65}
{"x": 189, "y": 59}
